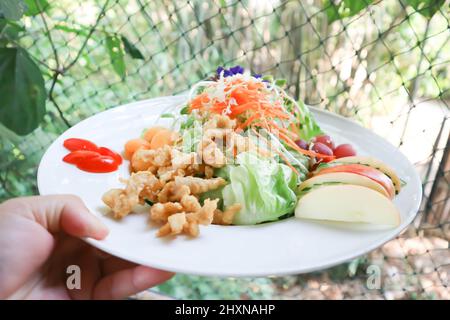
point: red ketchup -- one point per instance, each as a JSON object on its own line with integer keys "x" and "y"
{"x": 87, "y": 156}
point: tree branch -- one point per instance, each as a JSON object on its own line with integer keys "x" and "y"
{"x": 91, "y": 31}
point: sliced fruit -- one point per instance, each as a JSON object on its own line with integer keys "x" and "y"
{"x": 344, "y": 178}
{"x": 363, "y": 170}
{"x": 374, "y": 163}
{"x": 348, "y": 203}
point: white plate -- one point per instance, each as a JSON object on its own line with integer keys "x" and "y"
{"x": 285, "y": 247}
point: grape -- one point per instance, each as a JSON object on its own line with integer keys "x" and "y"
{"x": 322, "y": 149}
{"x": 344, "y": 150}
{"x": 326, "y": 140}
{"x": 302, "y": 144}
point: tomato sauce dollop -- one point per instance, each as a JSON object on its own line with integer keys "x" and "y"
{"x": 87, "y": 156}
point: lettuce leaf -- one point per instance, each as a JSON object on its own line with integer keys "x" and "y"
{"x": 263, "y": 187}
{"x": 191, "y": 136}
{"x": 309, "y": 127}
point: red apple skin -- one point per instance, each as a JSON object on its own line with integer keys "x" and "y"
{"x": 366, "y": 171}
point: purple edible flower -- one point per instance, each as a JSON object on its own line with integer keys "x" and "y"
{"x": 230, "y": 72}
{"x": 219, "y": 70}
{"x": 257, "y": 75}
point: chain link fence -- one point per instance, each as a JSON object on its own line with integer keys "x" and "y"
{"x": 385, "y": 64}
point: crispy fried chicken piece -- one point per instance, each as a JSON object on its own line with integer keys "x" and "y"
{"x": 187, "y": 223}
{"x": 122, "y": 201}
{"x": 199, "y": 185}
{"x": 226, "y": 217}
{"x": 182, "y": 160}
{"x": 173, "y": 192}
{"x": 210, "y": 153}
{"x": 205, "y": 215}
{"x": 174, "y": 225}
{"x": 160, "y": 212}
{"x": 151, "y": 160}
{"x": 190, "y": 203}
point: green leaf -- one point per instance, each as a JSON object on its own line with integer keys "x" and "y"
{"x": 12, "y": 9}
{"x": 426, "y": 8}
{"x": 81, "y": 31}
{"x": 131, "y": 49}
{"x": 184, "y": 110}
{"x": 262, "y": 186}
{"x": 116, "y": 54}
{"x": 336, "y": 10}
{"x": 34, "y": 7}
{"x": 167, "y": 115}
{"x": 280, "y": 82}
{"x": 10, "y": 29}
{"x": 22, "y": 91}
{"x": 331, "y": 10}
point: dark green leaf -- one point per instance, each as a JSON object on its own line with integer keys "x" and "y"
{"x": 331, "y": 10}
{"x": 426, "y": 8}
{"x": 22, "y": 91}
{"x": 352, "y": 7}
{"x": 10, "y": 29}
{"x": 116, "y": 54}
{"x": 184, "y": 110}
{"x": 336, "y": 10}
{"x": 12, "y": 9}
{"x": 131, "y": 49}
{"x": 35, "y": 7}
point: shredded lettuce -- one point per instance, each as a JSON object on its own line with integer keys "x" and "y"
{"x": 301, "y": 163}
{"x": 191, "y": 135}
{"x": 263, "y": 187}
{"x": 308, "y": 125}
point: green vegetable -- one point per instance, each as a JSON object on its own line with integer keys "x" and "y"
{"x": 213, "y": 194}
{"x": 167, "y": 115}
{"x": 280, "y": 82}
{"x": 188, "y": 123}
{"x": 263, "y": 187}
{"x": 301, "y": 163}
{"x": 191, "y": 136}
{"x": 308, "y": 125}
{"x": 184, "y": 110}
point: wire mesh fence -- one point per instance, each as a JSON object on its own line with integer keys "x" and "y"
{"x": 385, "y": 64}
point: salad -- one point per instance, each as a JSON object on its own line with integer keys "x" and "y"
{"x": 241, "y": 151}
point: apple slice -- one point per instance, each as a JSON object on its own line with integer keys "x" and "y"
{"x": 363, "y": 170}
{"x": 344, "y": 178}
{"x": 348, "y": 203}
{"x": 376, "y": 164}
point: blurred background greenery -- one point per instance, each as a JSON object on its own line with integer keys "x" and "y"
{"x": 385, "y": 64}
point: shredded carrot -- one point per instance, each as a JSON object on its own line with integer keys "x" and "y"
{"x": 252, "y": 106}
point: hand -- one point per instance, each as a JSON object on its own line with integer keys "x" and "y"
{"x": 39, "y": 239}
